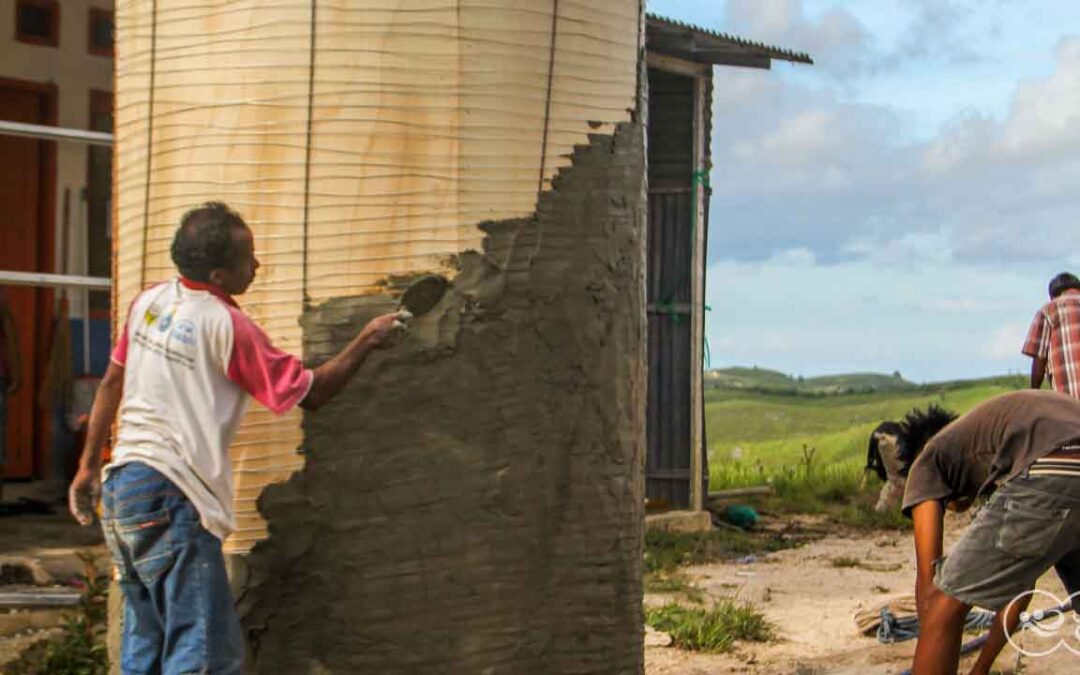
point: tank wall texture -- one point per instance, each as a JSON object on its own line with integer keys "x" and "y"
{"x": 472, "y": 502}
{"x": 360, "y": 139}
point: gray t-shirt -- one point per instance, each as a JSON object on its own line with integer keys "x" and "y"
{"x": 995, "y": 442}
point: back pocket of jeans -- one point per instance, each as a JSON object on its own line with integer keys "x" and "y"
{"x": 148, "y": 538}
{"x": 1029, "y": 525}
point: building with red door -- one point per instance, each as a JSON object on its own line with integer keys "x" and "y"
{"x": 56, "y": 69}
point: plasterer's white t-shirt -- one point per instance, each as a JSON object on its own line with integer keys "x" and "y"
{"x": 191, "y": 358}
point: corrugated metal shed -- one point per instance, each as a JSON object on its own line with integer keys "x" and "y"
{"x": 680, "y": 58}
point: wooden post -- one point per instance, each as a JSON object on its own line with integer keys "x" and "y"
{"x": 697, "y": 317}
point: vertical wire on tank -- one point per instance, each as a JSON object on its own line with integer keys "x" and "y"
{"x": 149, "y": 146}
{"x": 544, "y": 135}
{"x": 547, "y": 98}
{"x": 307, "y": 154}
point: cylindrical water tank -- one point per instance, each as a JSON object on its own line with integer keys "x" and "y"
{"x": 360, "y": 139}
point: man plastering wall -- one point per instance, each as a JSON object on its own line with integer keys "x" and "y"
{"x": 187, "y": 360}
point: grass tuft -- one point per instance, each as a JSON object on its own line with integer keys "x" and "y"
{"x": 712, "y": 630}
{"x": 666, "y": 551}
{"x": 673, "y": 583}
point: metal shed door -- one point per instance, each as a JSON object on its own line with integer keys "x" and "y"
{"x": 669, "y": 282}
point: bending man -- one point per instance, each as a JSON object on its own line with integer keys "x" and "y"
{"x": 1027, "y": 444}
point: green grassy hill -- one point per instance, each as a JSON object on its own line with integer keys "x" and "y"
{"x": 773, "y": 382}
{"x": 755, "y": 437}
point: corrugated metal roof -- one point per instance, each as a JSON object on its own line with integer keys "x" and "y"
{"x": 702, "y": 45}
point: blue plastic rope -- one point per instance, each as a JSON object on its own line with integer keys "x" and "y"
{"x": 893, "y": 629}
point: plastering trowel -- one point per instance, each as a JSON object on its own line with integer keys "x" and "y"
{"x": 423, "y": 295}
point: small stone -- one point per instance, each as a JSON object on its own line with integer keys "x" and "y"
{"x": 656, "y": 638}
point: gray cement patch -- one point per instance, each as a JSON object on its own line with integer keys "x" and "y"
{"x": 473, "y": 502}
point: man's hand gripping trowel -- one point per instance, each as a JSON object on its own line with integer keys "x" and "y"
{"x": 422, "y": 296}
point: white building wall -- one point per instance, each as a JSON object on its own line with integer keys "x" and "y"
{"x": 75, "y": 72}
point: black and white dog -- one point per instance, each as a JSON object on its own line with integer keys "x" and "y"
{"x": 894, "y": 447}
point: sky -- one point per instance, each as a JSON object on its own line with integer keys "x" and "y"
{"x": 902, "y": 204}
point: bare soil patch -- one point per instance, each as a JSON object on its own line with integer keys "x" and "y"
{"x": 812, "y": 600}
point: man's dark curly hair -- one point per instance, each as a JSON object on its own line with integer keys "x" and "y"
{"x": 916, "y": 429}
{"x": 204, "y": 240}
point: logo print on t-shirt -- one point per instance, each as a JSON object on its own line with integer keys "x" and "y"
{"x": 151, "y": 315}
{"x": 165, "y": 322}
{"x": 185, "y": 332}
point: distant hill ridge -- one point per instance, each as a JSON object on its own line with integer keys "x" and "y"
{"x": 769, "y": 381}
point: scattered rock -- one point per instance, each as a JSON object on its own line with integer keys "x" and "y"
{"x": 23, "y": 572}
{"x": 656, "y": 638}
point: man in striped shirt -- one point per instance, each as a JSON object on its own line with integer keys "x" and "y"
{"x": 1053, "y": 341}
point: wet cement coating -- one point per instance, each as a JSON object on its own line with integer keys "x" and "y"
{"x": 473, "y": 501}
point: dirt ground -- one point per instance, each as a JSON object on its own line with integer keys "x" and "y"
{"x": 812, "y": 602}
{"x": 46, "y": 544}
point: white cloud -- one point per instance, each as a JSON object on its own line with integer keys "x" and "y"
{"x": 1045, "y": 117}
{"x": 1005, "y": 342}
{"x": 1042, "y": 127}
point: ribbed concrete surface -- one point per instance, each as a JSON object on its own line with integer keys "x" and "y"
{"x": 472, "y": 503}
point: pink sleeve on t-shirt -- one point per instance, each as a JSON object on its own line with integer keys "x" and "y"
{"x": 119, "y": 352}
{"x": 274, "y": 378}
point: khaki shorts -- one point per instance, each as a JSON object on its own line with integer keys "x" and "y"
{"x": 1032, "y": 523}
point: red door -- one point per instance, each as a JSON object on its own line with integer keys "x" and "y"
{"x": 25, "y": 245}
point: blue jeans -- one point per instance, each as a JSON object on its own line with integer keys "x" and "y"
{"x": 179, "y": 615}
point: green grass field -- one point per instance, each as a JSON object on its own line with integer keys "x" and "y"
{"x": 757, "y": 438}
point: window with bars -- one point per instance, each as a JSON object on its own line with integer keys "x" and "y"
{"x": 101, "y": 32}
{"x": 37, "y": 22}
